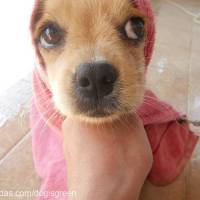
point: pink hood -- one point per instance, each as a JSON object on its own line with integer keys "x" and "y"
{"x": 172, "y": 142}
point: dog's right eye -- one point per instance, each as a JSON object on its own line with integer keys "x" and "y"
{"x": 51, "y": 37}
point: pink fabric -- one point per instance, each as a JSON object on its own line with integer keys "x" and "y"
{"x": 172, "y": 143}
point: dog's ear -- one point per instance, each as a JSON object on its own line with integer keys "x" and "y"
{"x": 37, "y": 13}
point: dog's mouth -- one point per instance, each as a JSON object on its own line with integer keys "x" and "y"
{"x": 98, "y": 113}
{"x": 94, "y": 108}
{"x": 95, "y": 89}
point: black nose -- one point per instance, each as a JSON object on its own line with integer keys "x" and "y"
{"x": 95, "y": 80}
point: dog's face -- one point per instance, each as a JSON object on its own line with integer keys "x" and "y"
{"x": 93, "y": 53}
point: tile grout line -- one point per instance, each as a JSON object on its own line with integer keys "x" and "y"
{"x": 190, "y": 80}
{"x": 196, "y": 17}
{"x": 189, "y": 72}
{"x": 14, "y": 148}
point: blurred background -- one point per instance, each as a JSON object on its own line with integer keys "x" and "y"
{"x": 16, "y": 56}
{"x": 174, "y": 74}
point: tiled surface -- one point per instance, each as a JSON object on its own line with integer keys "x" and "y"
{"x": 194, "y": 87}
{"x": 173, "y": 75}
{"x": 174, "y": 72}
{"x": 16, "y": 171}
{"x": 191, "y": 5}
{"x": 169, "y": 73}
{"x": 12, "y": 132}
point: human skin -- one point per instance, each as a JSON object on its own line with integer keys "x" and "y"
{"x": 106, "y": 162}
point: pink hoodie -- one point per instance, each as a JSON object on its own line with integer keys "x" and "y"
{"x": 172, "y": 142}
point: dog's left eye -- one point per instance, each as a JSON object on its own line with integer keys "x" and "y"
{"x": 51, "y": 37}
{"x": 135, "y": 28}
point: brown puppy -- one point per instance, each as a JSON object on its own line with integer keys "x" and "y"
{"x": 93, "y": 52}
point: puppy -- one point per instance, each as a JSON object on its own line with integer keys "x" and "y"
{"x": 93, "y": 53}
{"x": 93, "y": 58}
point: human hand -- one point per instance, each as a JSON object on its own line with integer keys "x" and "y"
{"x": 107, "y": 162}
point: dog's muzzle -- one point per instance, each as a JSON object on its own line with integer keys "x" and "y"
{"x": 94, "y": 84}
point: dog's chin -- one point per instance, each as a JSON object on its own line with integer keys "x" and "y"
{"x": 98, "y": 118}
{"x": 105, "y": 112}
{"x": 102, "y": 116}
{"x": 95, "y": 116}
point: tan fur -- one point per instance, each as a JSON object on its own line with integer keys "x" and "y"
{"x": 91, "y": 35}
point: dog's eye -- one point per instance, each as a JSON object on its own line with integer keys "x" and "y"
{"x": 135, "y": 28}
{"x": 51, "y": 37}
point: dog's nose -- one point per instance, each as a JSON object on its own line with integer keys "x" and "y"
{"x": 95, "y": 80}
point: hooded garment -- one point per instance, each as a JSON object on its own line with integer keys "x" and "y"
{"x": 171, "y": 140}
